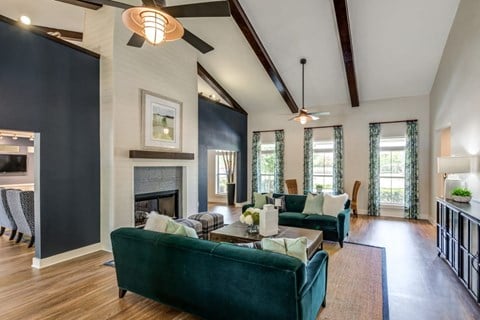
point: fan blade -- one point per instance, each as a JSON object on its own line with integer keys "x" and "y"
{"x": 136, "y": 41}
{"x": 326, "y": 113}
{"x": 293, "y": 118}
{"x": 196, "y": 42}
{"x": 197, "y": 10}
{"x": 314, "y": 117}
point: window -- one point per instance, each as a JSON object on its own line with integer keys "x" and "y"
{"x": 267, "y": 167}
{"x": 323, "y": 164}
{"x": 392, "y": 171}
{"x": 220, "y": 174}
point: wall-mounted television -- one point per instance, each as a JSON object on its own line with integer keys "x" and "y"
{"x": 13, "y": 163}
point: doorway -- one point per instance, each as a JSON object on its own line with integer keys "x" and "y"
{"x": 19, "y": 211}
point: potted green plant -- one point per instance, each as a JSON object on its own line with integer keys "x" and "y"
{"x": 319, "y": 188}
{"x": 229, "y": 161}
{"x": 461, "y": 195}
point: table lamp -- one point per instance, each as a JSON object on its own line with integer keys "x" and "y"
{"x": 448, "y": 165}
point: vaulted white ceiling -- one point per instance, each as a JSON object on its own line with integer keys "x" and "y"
{"x": 397, "y": 47}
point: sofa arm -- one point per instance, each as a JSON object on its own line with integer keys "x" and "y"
{"x": 343, "y": 225}
{"x": 315, "y": 268}
{"x": 246, "y": 206}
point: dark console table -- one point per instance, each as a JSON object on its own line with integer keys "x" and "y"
{"x": 458, "y": 238}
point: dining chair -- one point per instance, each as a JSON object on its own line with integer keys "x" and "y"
{"x": 6, "y": 219}
{"x": 21, "y": 205}
{"x": 356, "y": 187}
{"x": 291, "y": 185}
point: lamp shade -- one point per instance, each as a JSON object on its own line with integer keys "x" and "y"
{"x": 454, "y": 164}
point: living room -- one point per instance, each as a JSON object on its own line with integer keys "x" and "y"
{"x": 80, "y": 209}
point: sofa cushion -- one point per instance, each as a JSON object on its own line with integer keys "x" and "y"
{"x": 295, "y": 202}
{"x": 294, "y": 219}
{"x": 313, "y": 204}
{"x": 316, "y": 221}
{"x": 157, "y": 222}
{"x": 291, "y": 247}
{"x": 180, "y": 229}
{"x": 259, "y": 200}
{"x": 333, "y": 204}
{"x": 281, "y": 199}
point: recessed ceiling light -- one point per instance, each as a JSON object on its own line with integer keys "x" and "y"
{"x": 25, "y": 20}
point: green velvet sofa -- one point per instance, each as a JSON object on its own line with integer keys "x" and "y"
{"x": 218, "y": 280}
{"x": 334, "y": 228}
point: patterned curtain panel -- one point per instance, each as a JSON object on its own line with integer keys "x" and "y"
{"x": 374, "y": 171}
{"x": 338, "y": 160}
{"x": 411, "y": 171}
{"x": 255, "y": 161}
{"x": 279, "y": 160}
{"x": 307, "y": 159}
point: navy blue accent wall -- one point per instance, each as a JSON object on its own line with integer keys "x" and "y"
{"x": 52, "y": 89}
{"x": 220, "y": 128}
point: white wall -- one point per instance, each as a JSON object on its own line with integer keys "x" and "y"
{"x": 455, "y": 96}
{"x": 355, "y": 127}
{"x": 169, "y": 70}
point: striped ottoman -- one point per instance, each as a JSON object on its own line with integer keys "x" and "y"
{"x": 210, "y": 221}
{"x": 197, "y": 225}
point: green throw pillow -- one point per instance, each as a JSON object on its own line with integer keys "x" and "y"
{"x": 314, "y": 204}
{"x": 259, "y": 200}
{"x": 180, "y": 229}
{"x": 291, "y": 247}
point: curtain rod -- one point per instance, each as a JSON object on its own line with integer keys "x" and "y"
{"x": 324, "y": 127}
{"x": 397, "y": 121}
{"x": 267, "y": 131}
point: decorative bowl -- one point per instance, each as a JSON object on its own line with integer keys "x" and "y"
{"x": 461, "y": 199}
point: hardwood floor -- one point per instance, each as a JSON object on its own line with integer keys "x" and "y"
{"x": 421, "y": 285}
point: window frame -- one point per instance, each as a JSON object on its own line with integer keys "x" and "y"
{"x": 391, "y": 176}
{"x": 316, "y": 150}
{"x": 218, "y": 158}
{"x": 261, "y": 174}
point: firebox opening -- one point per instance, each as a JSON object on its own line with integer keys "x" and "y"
{"x": 163, "y": 202}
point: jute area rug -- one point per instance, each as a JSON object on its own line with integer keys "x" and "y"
{"x": 357, "y": 283}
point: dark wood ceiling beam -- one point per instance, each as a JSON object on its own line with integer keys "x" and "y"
{"x": 248, "y": 31}
{"x": 64, "y": 34}
{"x": 207, "y": 77}
{"x": 83, "y": 4}
{"x": 341, "y": 12}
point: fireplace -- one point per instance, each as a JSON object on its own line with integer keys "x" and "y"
{"x": 163, "y": 202}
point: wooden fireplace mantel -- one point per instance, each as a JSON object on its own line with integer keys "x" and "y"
{"x": 144, "y": 154}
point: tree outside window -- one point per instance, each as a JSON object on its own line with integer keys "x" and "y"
{"x": 323, "y": 164}
{"x": 392, "y": 171}
{"x": 267, "y": 167}
{"x": 220, "y": 174}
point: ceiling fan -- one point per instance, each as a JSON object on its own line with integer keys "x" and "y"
{"x": 303, "y": 115}
{"x": 155, "y": 23}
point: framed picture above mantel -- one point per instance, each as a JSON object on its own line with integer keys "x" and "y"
{"x": 161, "y": 122}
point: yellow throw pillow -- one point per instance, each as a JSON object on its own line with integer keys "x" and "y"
{"x": 291, "y": 247}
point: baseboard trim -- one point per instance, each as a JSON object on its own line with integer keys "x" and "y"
{"x": 61, "y": 257}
